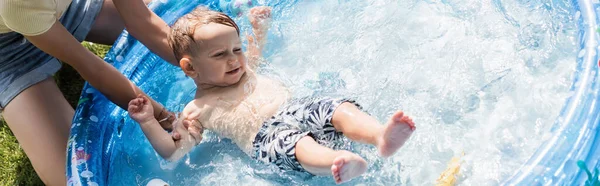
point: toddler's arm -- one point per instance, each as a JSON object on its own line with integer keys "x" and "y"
{"x": 141, "y": 111}
{"x": 260, "y": 18}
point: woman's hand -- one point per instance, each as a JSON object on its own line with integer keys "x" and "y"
{"x": 192, "y": 127}
{"x": 195, "y": 129}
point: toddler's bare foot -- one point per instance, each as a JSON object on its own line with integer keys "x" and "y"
{"x": 347, "y": 166}
{"x": 397, "y": 131}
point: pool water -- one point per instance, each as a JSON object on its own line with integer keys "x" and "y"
{"x": 487, "y": 78}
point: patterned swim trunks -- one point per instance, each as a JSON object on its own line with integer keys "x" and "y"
{"x": 276, "y": 140}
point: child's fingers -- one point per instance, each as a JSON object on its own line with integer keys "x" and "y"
{"x": 267, "y": 10}
{"x": 264, "y": 14}
{"x": 140, "y": 101}
{"x": 256, "y": 9}
{"x": 145, "y": 100}
{"x": 261, "y": 12}
{"x": 133, "y": 102}
{"x": 263, "y": 8}
{"x": 133, "y": 108}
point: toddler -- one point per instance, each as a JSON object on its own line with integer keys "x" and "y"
{"x": 256, "y": 112}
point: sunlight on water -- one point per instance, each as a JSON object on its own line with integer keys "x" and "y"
{"x": 487, "y": 78}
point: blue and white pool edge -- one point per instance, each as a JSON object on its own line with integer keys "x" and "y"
{"x": 574, "y": 137}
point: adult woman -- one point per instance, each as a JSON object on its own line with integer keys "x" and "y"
{"x": 33, "y": 35}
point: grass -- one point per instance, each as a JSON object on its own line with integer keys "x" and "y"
{"x": 15, "y": 168}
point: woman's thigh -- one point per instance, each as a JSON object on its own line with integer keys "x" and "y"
{"x": 108, "y": 24}
{"x": 40, "y": 118}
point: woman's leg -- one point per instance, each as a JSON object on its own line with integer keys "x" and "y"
{"x": 40, "y": 118}
{"x": 108, "y": 25}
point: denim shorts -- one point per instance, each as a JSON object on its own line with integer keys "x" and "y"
{"x": 23, "y": 65}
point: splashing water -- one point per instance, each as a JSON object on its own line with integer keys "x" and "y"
{"x": 484, "y": 77}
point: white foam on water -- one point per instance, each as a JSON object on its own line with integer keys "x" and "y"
{"x": 475, "y": 79}
{"x": 485, "y": 78}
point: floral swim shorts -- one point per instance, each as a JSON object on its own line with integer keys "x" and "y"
{"x": 276, "y": 140}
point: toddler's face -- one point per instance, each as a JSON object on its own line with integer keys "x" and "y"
{"x": 220, "y": 60}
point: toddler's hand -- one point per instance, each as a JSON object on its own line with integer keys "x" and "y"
{"x": 140, "y": 109}
{"x": 260, "y": 17}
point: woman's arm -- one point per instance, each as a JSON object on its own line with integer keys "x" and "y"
{"x": 146, "y": 27}
{"x": 58, "y": 42}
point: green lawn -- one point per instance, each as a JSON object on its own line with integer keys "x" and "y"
{"x": 15, "y": 168}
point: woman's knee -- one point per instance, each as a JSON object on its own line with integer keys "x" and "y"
{"x": 43, "y": 99}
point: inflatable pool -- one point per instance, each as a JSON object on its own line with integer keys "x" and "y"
{"x": 512, "y": 84}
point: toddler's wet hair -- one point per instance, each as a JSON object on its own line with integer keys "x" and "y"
{"x": 181, "y": 38}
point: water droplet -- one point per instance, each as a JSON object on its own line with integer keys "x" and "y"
{"x": 87, "y": 174}
{"x": 94, "y": 118}
{"x": 157, "y": 182}
{"x": 581, "y": 53}
{"x": 538, "y": 169}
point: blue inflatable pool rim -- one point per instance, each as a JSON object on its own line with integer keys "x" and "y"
{"x": 565, "y": 159}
